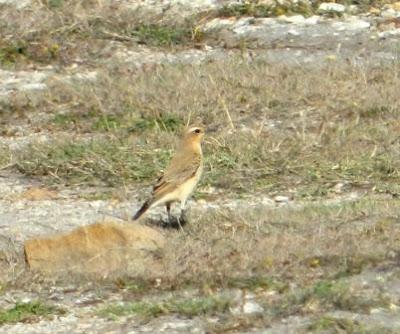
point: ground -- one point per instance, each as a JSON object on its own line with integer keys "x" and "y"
{"x": 294, "y": 227}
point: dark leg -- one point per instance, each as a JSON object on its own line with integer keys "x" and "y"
{"x": 168, "y": 205}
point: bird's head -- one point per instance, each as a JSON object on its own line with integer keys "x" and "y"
{"x": 194, "y": 134}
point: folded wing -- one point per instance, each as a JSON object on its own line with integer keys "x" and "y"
{"x": 182, "y": 168}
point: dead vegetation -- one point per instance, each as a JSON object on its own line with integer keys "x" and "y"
{"x": 296, "y": 261}
{"x": 310, "y": 132}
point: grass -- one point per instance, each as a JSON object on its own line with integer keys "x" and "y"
{"x": 257, "y": 9}
{"x": 327, "y": 295}
{"x": 166, "y": 36}
{"x": 287, "y": 127}
{"x": 94, "y": 120}
{"x": 257, "y": 282}
{"x": 12, "y": 52}
{"x": 28, "y": 312}
{"x": 5, "y": 156}
{"x": 188, "y": 307}
{"x": 329, "y": 324}
{"x": 335, "y": 325}
{"x": 110, "y": 162}
{"x": 22, "y": 51}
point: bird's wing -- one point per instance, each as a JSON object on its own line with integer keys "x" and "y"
{"x": 181, "y": 168}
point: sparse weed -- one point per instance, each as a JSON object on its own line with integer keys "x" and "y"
{"x": 31, "y": 311}
{"x": 335, "y": 325}
{"x": 165, "y": 36}
{"x": 106, "y": 161}
{"x": 188, "y": 307}
{"x": 256, "y": 282}
{"x": 122, "y": 123}
{"x": 10, "y": 53}
{"x": 5, "y": 156}
{"x": 257, "y": 9}
{"x": 53, "y": 4}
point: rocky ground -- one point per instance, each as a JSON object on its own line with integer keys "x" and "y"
{"x": 289, "y": 259}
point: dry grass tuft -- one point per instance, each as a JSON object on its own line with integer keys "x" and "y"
{"x": 292, "y": 245}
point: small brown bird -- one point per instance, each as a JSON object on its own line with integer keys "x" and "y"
{"x": 180, "y": 177}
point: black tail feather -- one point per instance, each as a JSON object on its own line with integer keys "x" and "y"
{"x": 142, "y": 210}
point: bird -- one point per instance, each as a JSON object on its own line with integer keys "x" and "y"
{"x": 180, "y": 177}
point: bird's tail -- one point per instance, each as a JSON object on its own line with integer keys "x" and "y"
{"x": 142, "y": 210}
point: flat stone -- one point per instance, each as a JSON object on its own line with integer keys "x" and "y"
{"x": 351, "y": 24}
{"x": 100, "y": 248}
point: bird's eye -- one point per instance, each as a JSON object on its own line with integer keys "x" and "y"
{"x": 197, "y": 131}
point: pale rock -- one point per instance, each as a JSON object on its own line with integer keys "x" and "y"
{"x": 19, "y": 4}
{"x": 390, "y": 13}
{"x": 338, "y": 188}
{"x": 175, "y": 325}
{"x": 352, "y": 24}
{"x": 247, "y": 304}
{"x": 281, "y": 199}
{"x": 218, "y": 24}
{"x": 23, "y": 81}
{"x": 331, "y": 7}
{"x": 195, "y": 4}
{"x": 394, "y": 6}
{"x": 268, "y": 3}
{"x": 295, "y": 19}
{"x": 389, "y": 33}
{"x": 293, "y": 32}
{"x": 251, "y": 307}
{"x": 89, "y": 76}
{"x": 312, "y": 20}
{"x": 353, "y": 9}
{"x": 299, "y": 19}
{"x": 33, "y": 86}
{"x": 267, "y": 201}
{"x": 243, "y": 26}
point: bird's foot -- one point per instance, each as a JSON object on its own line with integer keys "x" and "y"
{"x": 176, "y": 222}
{"x": 183, "y": 219}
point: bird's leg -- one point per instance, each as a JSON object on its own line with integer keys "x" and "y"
{"x": 183, "y": 218}
{"x": 168, "y": 205}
